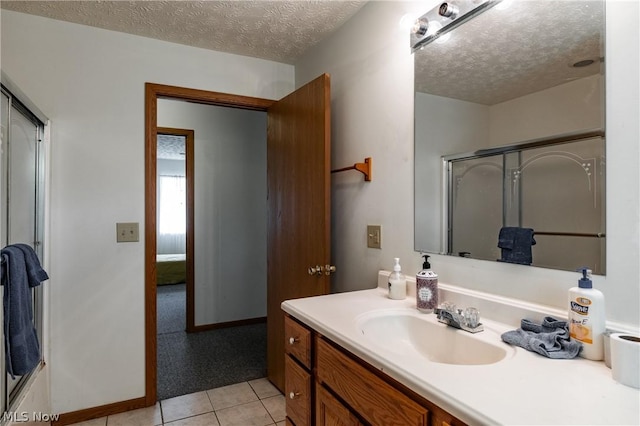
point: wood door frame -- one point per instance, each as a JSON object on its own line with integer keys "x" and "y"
{"x": 153, "y": 92}
{"x": 189, "y": 136}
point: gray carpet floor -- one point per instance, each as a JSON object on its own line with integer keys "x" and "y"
{"x": 193, "y": 362}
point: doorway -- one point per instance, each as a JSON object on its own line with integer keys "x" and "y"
{"x": 229, "y": 249}
{"x": 298, "y": 205}
{"x": 152, "y": 94}
{"x": 175, "y": 234}
{"x": 174, "y": 267}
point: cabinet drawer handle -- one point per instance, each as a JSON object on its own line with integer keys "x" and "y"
{"x": 293, "y": 340}
{"x": 294, "y": 395}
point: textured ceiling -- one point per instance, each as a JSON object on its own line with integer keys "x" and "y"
{"x": 504, "y": 54}
{"x": 171, "y": 147}
{"x": 276, "y": 30}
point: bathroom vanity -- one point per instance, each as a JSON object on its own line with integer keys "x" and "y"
{"x": 334, "y": 375}
{"x": 361, "y": 358}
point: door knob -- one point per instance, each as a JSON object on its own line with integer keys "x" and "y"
{"x": 315, "y": 270}
{"x": 318, "y": 270}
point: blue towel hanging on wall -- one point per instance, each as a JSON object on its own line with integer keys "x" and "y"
{"x": 515, "y": 244}
{"x": 21, "y": 271}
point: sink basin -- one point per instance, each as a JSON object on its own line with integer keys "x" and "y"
{"x": 406, "y": 332}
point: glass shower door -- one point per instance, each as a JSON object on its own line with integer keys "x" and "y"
{"x": 546, "y": 187}
{"x": 475, "y": 211}
{"x": 22, "y": 201}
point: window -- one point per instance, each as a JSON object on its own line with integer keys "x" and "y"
{"x": 172, "y": 214}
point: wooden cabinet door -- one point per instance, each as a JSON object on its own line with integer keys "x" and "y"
{"x": 298, "y": 386}
{"x": 298, "y": 206}
{"x": 330, "y": 412}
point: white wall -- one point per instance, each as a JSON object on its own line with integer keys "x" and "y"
{"x": 371, "y": 72}
{"x": 90, "y": 83}
{"x": 372, "y": 100}
{"x": 443, "y": 126}
{"x": 566, "y": 108}
{"x": 230, "y": 208}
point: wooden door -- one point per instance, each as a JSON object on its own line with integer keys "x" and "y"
{"x": 299, "y": 193}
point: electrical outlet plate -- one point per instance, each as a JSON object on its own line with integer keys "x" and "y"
{"x": 374, "y": 236}
{"x": 127, "y": 232}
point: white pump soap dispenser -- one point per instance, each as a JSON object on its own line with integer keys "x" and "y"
{"x": 397, "y": 282}
{"x": 586, "y": 317}
{"x": 426, "y": 288}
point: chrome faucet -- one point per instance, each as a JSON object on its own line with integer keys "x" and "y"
{"x": 467, "y": 320}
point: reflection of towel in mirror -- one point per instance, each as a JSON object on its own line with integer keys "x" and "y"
{"x": 21, "y": 271}
{"x": 515, "y": 244}
{"x": 551, "y": 338}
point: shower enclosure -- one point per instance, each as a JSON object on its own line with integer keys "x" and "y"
{"x": 22, "y": 186}
{"x": 555, "y": 186}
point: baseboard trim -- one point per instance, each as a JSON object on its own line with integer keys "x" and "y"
{"x": 248, "y": 321}
{"x": 101, "y": 411}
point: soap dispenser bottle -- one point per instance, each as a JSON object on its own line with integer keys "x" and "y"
{"x": 426, "y": 288}
{"x": 397, "y": 282}
{"x": 586, "y": 317}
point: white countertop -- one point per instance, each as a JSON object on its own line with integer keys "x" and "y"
{"x": 523, "y": 388}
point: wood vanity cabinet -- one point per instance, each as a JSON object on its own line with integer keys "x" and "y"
{"x": 327, "y": 385}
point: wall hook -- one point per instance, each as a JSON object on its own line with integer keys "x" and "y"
{"x": 364, "y": 168}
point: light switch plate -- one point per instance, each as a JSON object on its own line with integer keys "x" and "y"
{"x": 127, "y": 232}
{"x": 374, "y": 236}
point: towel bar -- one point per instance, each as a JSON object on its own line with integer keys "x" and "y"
{"x": 364, "y": 168}
{"x": 572, "y": 234}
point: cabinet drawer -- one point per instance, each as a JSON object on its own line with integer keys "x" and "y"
{"x": 297, "y": 341}
{"x": 375, "y": 400}
{"x": 297, "y": 392}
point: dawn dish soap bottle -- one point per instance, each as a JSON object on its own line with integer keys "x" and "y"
{"x": 426, "y": 288}
{"x": 397, "y": 282}
{"x": 586, "y": 317}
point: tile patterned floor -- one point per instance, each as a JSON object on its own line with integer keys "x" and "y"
{"x": 253, "y": 403}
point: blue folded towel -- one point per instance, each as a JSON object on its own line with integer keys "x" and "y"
{"x": 515, "y": 244}
{"x": 551, "y": 338}
{"x": 21, "y": 271}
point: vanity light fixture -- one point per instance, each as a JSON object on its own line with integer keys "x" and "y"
{"x": 448, "y": 10}
{"x": 444, "y": 18}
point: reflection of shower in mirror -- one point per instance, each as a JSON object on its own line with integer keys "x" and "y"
{"x": 535, "y": 186}
{"x": 505, "y": 76}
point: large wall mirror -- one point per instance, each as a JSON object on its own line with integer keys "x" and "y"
{"x": 509, "y": 136}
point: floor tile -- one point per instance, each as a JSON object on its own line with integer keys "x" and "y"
{"x": 251, "y": 414}
{"x": 184, "y": 406}
{"x": 275, "y": 407}
{"x": 232, "y": 395}
{"x": 149, "y": 416}
{"x": 263, "y": 388}
{"x": 281, "y": 424}
{"x": 208, "y": 419}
